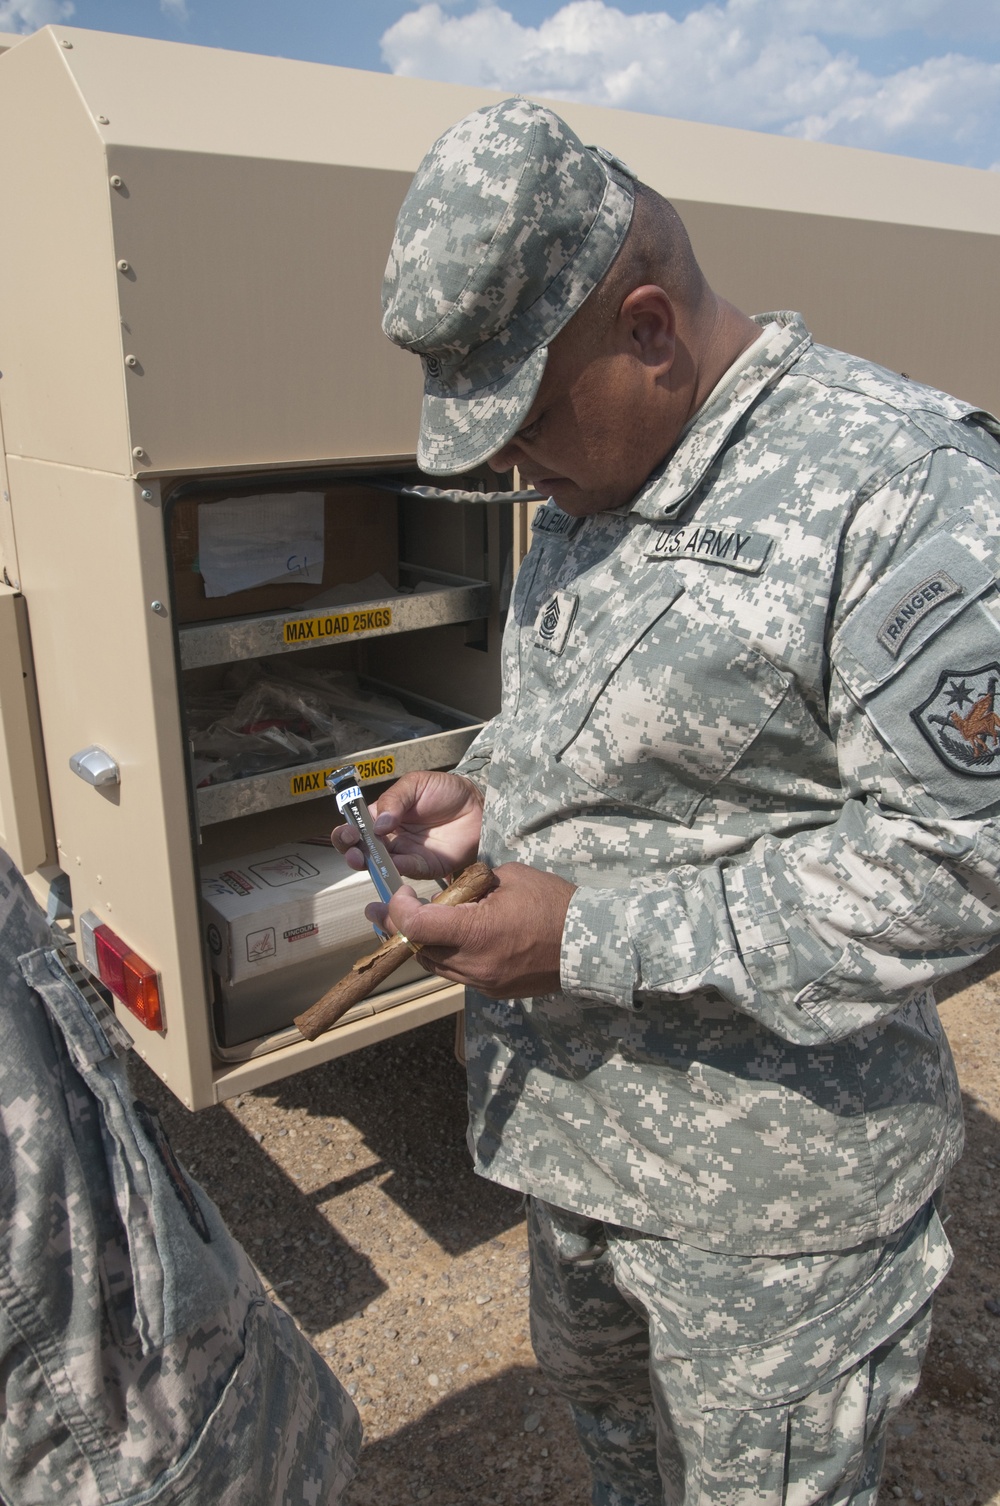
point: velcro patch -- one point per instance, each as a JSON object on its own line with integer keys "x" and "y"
{"x": 554, "y": 621}
{"x": 959, "y": 720}
{"x": 912, "y": 608}
{"x": 552, "y": 521}
{"x": 710, "y": 545}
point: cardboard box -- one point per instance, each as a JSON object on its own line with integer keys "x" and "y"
{"x": 262, "y": 1005}
{"x": 281, "y": 907}
{"x": 281, "y": 927}
{"x": 361, "y": 539}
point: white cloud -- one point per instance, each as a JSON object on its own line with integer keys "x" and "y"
{"x": 877, "y": 18}
{"x": 27, "y": 15}
{"x": 759, "y": 64}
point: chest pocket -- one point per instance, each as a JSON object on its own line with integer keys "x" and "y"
{"x": 921, "y": 655}
{"x": 676, "y": 709}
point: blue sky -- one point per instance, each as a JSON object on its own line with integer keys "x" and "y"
{"x": 919, "y": 77}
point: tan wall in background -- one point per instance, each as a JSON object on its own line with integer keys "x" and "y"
{"x": 914, "y": 298}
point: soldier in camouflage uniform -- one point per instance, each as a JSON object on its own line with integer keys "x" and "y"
{"x": 741, "y": 796}
{"x": 141, "y": 1360}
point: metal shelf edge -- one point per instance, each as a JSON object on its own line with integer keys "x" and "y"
{"x": 233, "y": 639}
{"x": 257, "y": 1071}
{"x": 264, "y": 792}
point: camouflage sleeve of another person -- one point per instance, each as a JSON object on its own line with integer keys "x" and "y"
{"x": 140, "y": 1357}
{"x": 823, "y": 932}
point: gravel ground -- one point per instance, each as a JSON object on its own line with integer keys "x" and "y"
{"x": 351, "y": 1188}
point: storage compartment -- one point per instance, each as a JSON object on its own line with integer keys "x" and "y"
{"x": 359, "y": 523}
{"x": 386, "y": 657}
{"x": 280, "y": 926}
{"x": 209, "y": 508}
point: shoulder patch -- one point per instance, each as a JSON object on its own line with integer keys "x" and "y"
{"x": 959, "y": 719}
{"x": 910, "y": 610}
{"x": 712, "y": 545}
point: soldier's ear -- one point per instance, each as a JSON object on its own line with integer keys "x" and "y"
{"x": 649, "y": 324}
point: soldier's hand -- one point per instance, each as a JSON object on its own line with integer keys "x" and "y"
{"x": 429, "y": 822}
{"x": 506, "y": 946}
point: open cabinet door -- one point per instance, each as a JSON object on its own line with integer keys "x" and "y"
{"x": 26, "y": 831}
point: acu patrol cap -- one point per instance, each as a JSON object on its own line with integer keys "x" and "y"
{"x": 509, "y": 223}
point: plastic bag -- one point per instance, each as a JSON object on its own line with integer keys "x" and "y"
{"x": 270, "y": 715}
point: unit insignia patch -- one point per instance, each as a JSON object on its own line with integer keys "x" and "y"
{"x": 960, "y": 720}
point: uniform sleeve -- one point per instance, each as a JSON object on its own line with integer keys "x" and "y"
{"x": 822, "y": 933}
{"x": 475, "y": 765}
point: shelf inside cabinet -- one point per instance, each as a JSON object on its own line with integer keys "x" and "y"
{"x": 389, "y": 999}
{"x": 306, "y": 781}
{"x": 435, "y": 599}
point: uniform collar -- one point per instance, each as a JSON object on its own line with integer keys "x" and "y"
{"x": 664, "y": 492}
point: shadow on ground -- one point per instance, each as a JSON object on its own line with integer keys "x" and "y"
{"x": 406, "y": 1099}
{"x": 494, "y": 1443}
{"x": 406, "y": 1096}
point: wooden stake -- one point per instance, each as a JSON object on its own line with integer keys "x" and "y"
{"x": 368, "y": 972}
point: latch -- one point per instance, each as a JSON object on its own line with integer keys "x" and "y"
{"x": 95, "y": 766}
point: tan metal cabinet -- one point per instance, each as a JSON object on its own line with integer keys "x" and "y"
{"x": 191, "y": 357}
{"x": 190, "y": 325}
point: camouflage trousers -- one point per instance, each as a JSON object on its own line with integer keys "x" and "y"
{"x": 141, "y": 1363}
{"x": 714, "y": 1380}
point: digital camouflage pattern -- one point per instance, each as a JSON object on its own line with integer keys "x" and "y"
{"x": 737, "y": 1380}
{"x": 533, "y": 221}
{"x": 713, "y": 723}
{"x": 141, "y": 1359}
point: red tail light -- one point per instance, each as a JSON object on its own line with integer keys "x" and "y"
{"x": 133, "y": 982}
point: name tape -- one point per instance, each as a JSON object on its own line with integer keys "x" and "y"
{"x": 553, "y": 521}
{"x": 712, "y": 546}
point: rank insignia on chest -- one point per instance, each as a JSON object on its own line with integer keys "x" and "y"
{"x": 554, "y": 620}
{"x": 960, "y": 720}
{"x": 721, "y": 544}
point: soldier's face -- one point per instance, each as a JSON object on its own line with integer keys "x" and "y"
{"x": 597, "y": 427}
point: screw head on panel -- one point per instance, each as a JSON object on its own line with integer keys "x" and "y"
{"x": 115, "y": 181}
{"x": 158, "y": 607}
{"x": 138, "y": 453}
{"x": 131, "y": 361}
{"x": 146, "y": 494}
{"x": 103, "y": 120}
{"x": 123, "y": 266}
{"x": 67, "y": 44}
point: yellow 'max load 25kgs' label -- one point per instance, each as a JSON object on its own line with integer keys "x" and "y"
{"x": 337, "y": 625}
{"x": 314, "y": 782}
